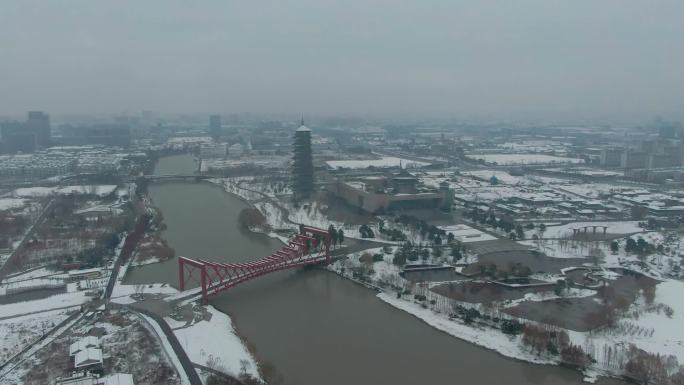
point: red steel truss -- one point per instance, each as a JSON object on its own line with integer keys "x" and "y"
{"x": 310, "y": 246}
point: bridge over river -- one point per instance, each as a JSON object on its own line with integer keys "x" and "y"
{"x": 311, "y": 246}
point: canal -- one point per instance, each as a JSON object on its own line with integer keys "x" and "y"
{"x": 315, "y": 327}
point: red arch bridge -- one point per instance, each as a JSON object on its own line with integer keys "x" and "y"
{"x": 310, "y": 246}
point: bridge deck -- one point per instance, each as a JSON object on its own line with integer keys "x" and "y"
{"x": 310, "y": 246}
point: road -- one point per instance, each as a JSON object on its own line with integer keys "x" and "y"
{"x": 178, "y": 350}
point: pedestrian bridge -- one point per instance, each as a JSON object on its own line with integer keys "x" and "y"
{"x": 310, "y": 247}
{"x": 172, "y": 177}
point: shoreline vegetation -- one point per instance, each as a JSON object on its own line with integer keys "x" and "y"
{"x": 257, "y": 219}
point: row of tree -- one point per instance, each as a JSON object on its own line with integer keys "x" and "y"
{"x": 489, "y": 218}
{"x": 336, "y": 235}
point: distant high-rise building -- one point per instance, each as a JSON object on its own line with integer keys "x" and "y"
{"x": 634, "y": 159}
{"x": 302, "y": 168}
{"x": 17, "y": 137}
{"x": 667, "y": 130}
{"x": 39, "y": 123}
{"x": 611, "y": 157}
{"x": 215, "y": 126}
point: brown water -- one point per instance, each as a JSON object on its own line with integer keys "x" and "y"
{"x": 316, "y": 327}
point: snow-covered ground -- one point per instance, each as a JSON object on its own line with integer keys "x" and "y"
{"x": 501, "y": 176}
{"x": 467, "y": 234}
{"x": 665, "y": 264}
{"x": 12, "y": 374}
{"x": 512, "y": 159}
{"x": 41, "y": 272}
{"x": 508, "y": 346}
{"x": 653, "y": 331}
{"x": 383, "y": 162}
{"x": 37, "y": 283}
{"x": 18, "y": 332}
{"x": 214, "y": 343}
{"x": 70, "y": 299}
{"x": 98, "y": 190}
{"x": 122, "y": 293}
{"x": 11, "y": 203}
{"x": 166, "y": 346}
{"x": 625, "y": 227}
{"x": 587, "y": 171}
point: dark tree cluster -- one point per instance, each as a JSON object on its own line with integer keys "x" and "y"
{"x": 366, "y": 232}
{"x": 640, "y": 246}
{"x": 573, "y": 355}
{"x": 391, "y": 234}
{"x": 407, "y": 251}
{"x": 336, "y": 236}
{"x": 426, "y": 230}
{"x": 251, "y": 217}
{"x": 488, "y": 218}
{"x": 547, "y": 339}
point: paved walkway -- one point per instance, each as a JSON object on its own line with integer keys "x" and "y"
{"x": 178, "y": 350}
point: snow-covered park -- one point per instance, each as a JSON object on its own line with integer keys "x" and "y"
{"x": 513, "y": 159}
{"x": 383, "y": 162}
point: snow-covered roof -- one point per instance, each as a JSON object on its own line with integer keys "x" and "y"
{"x": 87, "y": 357}
{"x": 303, "y": 128}
{"x": 117, "y": 379}
{"x": 83, "y": 344}
{"x": 74, "y": 273}
{"x": 80, "y": 378}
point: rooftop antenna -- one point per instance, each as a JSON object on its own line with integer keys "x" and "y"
{"x": 302, "y": 122}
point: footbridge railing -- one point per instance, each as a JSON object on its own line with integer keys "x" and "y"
{"x": 310, "y": 246}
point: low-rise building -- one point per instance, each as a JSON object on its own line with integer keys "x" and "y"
{"x": 83, "y": 344}
{"x": 213, "y": 151}
{"x": 634, "y": 159}
{"x": 611, "y": 157}
{"x": 88, "y": 359}
{"x": 377, "y": 194}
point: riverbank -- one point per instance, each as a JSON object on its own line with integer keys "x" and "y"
{"x": 205, "y": 334}
{"x": 485, "y": 334}
{"x": 507, "y": 346}
{"x": 324, "y": 316}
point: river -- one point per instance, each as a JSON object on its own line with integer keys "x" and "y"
{"x": 318, "y": 328}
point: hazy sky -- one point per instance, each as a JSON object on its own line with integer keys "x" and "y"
{"x": 589, "y": 58}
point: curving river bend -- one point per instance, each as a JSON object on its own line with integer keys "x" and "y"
{"x": 318, "y": 328}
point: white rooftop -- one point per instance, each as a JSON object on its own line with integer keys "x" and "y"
{"x": 84, "y": 271}
{"x": 83, "y": 344}
{"x": 117, "y": 379}
{"x": 87, "y": 357}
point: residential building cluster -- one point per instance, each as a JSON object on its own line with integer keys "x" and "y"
{"x": 56, "y": 161}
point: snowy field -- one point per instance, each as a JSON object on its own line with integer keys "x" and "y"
{"x": 536, "y": 146}
{"x": 54, "y": 302}
{"x": 99, "y": 190}
{"x": 502, "y": 177}
{"x": 11, "y": 203}
{"x": 652, "y": 331}
{"x": 588, "y": 172}
{"x": 626, "y": 227}
{"x": 122, "y": 293}
{"x": 384, "y": 162}
{"x": 216, "y": 342}
{"x": 467, "y": 234}
{"x": 589, "y": 190}
{"x": 512, "y": 159}
{"x": 19, "y": 332}
{"x": 37, "y": 283}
